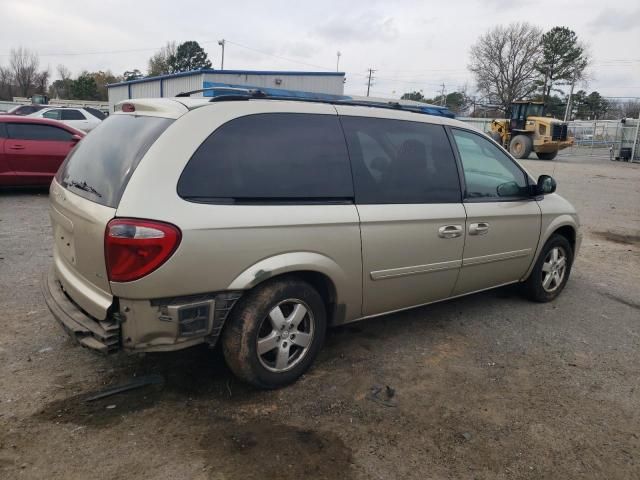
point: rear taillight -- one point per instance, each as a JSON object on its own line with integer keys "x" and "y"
{"x": 135, "y": 248}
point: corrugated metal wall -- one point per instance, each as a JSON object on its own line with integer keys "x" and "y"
{"x": 331, "y": 84}
{"x": 117, "y": 94}
{"x": 173, "y": 86}
{"x": 146, "y": 89}
{"x": 307, "y": 83}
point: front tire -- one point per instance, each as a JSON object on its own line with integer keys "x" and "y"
{"x": 551, "y": 271}
{"x": 275, "y": 333}
{"x": 520, "y": 146}
{"x": 547, "y": 155}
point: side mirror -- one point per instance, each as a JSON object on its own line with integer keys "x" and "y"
{"x": 546, "y": 184}
{"x": 76, "y": 138}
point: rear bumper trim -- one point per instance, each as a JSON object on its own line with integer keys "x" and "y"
{"x": 103, "y": 336}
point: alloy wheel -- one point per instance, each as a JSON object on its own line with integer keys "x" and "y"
{"x": 554, "y": 269}
{"x": 285, "y": 335}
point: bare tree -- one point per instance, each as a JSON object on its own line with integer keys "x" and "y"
{"x": 6, "y": 84}
{"x": 61, "y": 88}
{"x": 64, "y": 73}
{"x": 24, "y": 66}
{"x": 159, "y": 62}
{"x": 41, "y": 81}
{"x": 504, "y": 62}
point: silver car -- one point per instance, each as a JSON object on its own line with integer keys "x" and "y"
{"x": 259, "y": 223}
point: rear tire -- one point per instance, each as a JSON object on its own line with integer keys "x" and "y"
{"x": 520, "y": 146}
{"x": 551, "y": 271}
{"x": 547, "y": 155}
{"x": 275, "y": 333}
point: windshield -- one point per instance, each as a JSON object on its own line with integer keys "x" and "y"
{"x": 535, "y": 110}
{"x": 99, "y": 168}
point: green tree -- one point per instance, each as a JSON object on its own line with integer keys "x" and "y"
{"x": 457, "y": 102}
{"x": 555, "y": 106}
{"x": 589, "y": 107}
{"x": 415, "y": 96}
{"x": 84, "y": 87}
{"x": 563, "y": 59}
{"x": 189, "y": 56}
{"x": 103, "y": 79}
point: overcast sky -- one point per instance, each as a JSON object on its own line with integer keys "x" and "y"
{"x": 413, "y": 45}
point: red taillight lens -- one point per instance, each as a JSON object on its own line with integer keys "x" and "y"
{"x": 128, "y": 107}
{"x": 135, "y": 248}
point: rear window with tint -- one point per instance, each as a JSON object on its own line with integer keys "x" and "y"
{"x": 72, "y": 115}
{"x": 274, "y": 157}
{"x": 99, "y": 168}
{"x": 95, "y": 112}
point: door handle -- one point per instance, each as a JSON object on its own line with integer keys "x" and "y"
{"x": 480, "y": 228}
{"x": 450, "y": 231}
{"x": 16, "y": 147}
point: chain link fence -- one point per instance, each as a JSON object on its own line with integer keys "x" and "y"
{"x": 591, "y": 137}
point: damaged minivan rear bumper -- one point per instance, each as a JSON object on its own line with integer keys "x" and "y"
{"x": 157, "y": 325}
{"x": 104, "y": 336}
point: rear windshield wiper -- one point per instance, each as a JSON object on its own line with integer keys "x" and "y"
{"x": 84, "y": 186}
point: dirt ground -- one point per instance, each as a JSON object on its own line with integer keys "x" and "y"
{"x": 488, "y": 386}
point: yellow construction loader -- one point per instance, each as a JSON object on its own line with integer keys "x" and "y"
{"x": 528, "y": 130}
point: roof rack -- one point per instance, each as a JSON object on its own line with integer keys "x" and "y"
{"x": 231, "y": 90}
{"x": 240, "y": 93}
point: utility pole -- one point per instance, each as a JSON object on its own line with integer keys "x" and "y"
{"x": 443, "y": 101}
{"x": 221, "y": 43}
{"x": 338, "y": 61}
{"x": 371, "y": 71}
{"x": 567, "y": 112}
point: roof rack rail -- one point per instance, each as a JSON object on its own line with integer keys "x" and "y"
{"x": 252, "y": 92}
{"x": 234, "y": 93}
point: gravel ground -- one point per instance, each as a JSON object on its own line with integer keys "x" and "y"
{"x": 488, "y": 386}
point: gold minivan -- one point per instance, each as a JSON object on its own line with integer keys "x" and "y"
{"x": 260, "y": 222}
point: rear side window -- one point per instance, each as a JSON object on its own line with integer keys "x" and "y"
{"x": 396, "y": 161}
{"x": 99, "y": 168}
{"x": 3, "y": 130}
{"x": 52, "y": 114}
{"x": 24, "y": 110}
{"x": 33, "y": 131}
{"x": 271, "y": 157}
{"x": 96, "y": 113}
{"x": 72, "y": 115}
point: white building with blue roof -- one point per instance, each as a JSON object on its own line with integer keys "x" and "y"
{"x": 172, "y": 84}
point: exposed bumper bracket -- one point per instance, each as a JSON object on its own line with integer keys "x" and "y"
{"x": 100, "y": 335}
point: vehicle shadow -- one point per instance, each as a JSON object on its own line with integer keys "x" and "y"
{"x": 10, "y": 191}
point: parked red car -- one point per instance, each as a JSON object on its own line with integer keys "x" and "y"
{"x": 32, "y": 149}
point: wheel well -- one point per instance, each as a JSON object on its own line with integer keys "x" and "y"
{"x": 322, "y": 283}
{"x": 569, "y": 233}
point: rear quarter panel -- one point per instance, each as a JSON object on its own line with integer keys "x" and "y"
{"x": 228, "y": 247}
